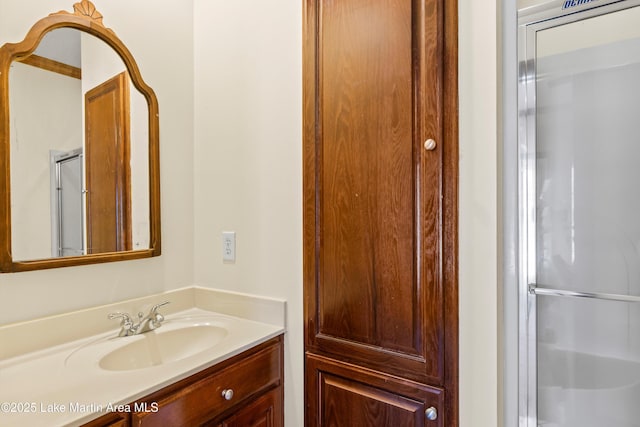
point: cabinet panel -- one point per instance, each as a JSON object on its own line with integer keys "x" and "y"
{"x": 264, "y": 412}
{"x": 366, "y": 210}
{"x": 342, "y": 395}
{"x": 373, "y": 193}
{"x": 380, "y": 161}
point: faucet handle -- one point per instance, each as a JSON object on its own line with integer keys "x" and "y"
{"x": 155, "y": 308}
{"x": 126, "y": 319}
{"x": 156, "y": 317}
{"x": 127, "y": 322}
{"x": 154, "y": 311}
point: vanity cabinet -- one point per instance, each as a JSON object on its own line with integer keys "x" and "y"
{"x": 112, "y": 419}
{"x": 246, "y": 390}
{"x": 380, "y": 212}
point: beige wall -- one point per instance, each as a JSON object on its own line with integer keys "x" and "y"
{"x": 478, "y": 62}
{"x": 242, "y": 172}
{"x": 159, "y": 35}
{"x": 248, "y": 151}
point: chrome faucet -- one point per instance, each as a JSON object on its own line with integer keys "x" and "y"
{"x": 147, "y": 323}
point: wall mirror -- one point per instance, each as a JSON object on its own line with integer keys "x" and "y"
{"x": 79, "y": 147}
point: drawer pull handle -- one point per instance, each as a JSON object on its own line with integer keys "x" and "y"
{"x": 227, "y": 394}
{"x": 431, "y": 413}
{"x": 430, "y": 144}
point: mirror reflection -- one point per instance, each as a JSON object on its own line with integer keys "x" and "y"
{"x": 79, "y": 151}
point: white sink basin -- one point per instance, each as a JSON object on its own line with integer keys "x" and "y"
{"x": 174, "y": 341}
{"x": 163, "y": 346}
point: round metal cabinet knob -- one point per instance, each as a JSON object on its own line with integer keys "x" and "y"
{"x": 431, "y": 413}
{"x": 430, "y": 144}
{"x": 227, "y": 394}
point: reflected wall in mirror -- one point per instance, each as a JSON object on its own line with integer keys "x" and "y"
{"x": 79, "y": 141}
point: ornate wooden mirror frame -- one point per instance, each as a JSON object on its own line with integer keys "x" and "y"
{"x": 87, "y": 19}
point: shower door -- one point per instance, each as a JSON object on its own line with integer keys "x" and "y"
{"x": 67, "y": 204}
{"x": 579, "y": 225}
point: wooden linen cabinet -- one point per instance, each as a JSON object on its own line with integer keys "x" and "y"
{"x": 380, "y": 213}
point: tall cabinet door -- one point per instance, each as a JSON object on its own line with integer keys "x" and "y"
{"x": 380, "y": 178}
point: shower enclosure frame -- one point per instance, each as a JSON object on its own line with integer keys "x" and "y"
{"x": 56, "y": 159}
{"x": 530, "y": 20}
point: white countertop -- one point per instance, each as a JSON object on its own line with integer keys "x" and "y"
{"x": 63, "y": 385}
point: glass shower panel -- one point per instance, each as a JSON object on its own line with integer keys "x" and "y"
{"x": 587, "y": 221}
{"x": 588, "y": 369}
{"x": 587, "y": 165}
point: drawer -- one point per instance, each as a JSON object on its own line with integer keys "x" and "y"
{"x": 203, "y": 400}
{"x": 113, "y": 419}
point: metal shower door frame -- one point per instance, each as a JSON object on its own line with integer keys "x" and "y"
{"x": 57, "y": 231}
{"x": 530, "y": 21}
